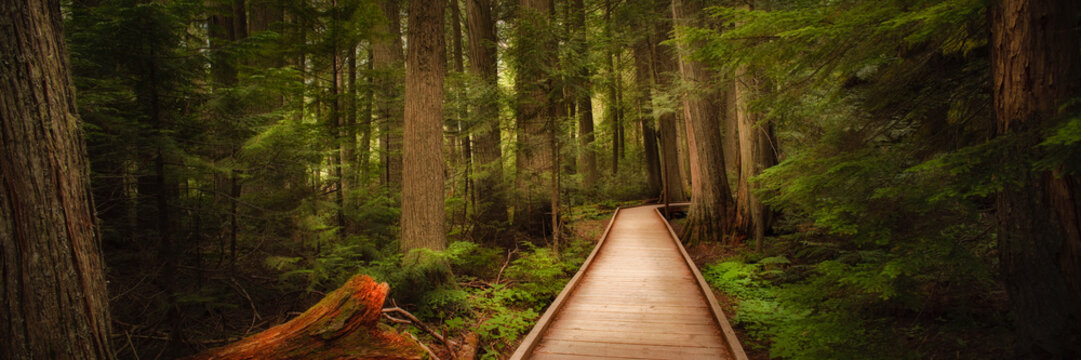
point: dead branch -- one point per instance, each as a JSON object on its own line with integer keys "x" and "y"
{"x": 505, "y": 263}
{"x": 419, "y": 324}
{"x": 397, "y": 320}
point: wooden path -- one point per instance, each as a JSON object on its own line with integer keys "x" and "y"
{"x": 637, "y": 296}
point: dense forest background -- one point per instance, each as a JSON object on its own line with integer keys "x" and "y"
{"x": 867, "y": 179}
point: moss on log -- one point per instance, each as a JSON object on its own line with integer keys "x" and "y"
{"x": 344, "y": 325}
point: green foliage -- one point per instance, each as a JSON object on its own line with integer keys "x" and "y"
{"x": 541, "y": 273}
{"x": 1063, "y": 148}
{"x": 881, "y": 113}
{"x": 797, "y": 320}
{"x": 499, "y": 313}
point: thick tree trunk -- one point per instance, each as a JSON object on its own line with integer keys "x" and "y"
{"x": 387, "y": 61}
{"x": 343, "y": 326}
{"x": 1036, "y": 68}
{"x": 582, "y": 85}
{"x": 55, "y": 304}
{"x": 756, "y": 153}
{"x": 730, "y": 139}
{"x": 423, "y": 213}
{"x": 711, "y": 199}
{"x": 664, "y": 68}
{"x": 534, "y": 50}
{"x": 491, "y": 209}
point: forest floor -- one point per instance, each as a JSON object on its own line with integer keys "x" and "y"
{"x": 497, "y": 294}
{"x": 709, "y": 253}
{"x": 939, "y": 337}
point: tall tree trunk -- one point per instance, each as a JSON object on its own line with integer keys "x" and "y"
{"x": 663, "y": 71}
{"x": 559, "y": 104}
{"x": 55, "y": 301}
{"x": 619, "y": 110}
{"x": 423, "y": 213}
{"x": 582, "y": 89}
{"x": 300, "y": 35}
{"x": 267, "y": 15}
{"x": 462, "y": 114}
{"x": 711, "y": 199}
{"x": 611, "y": 107}
{"x": 334, "y": 122}
{"x": 365, "y": 145}
{"x": 387, "y": 61}
{"x": 534, "y": 50}
{"x": 347, "y": 146}
{"x": 730, "y": 132}
{"x": 490, "y": 210}
{"x": 226, "y": 26}
{"x": 1036, "y": 68}
{"x": 756, "y": 153}
{"x": 643, "y": 82}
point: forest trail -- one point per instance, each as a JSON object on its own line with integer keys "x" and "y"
{"x": 637, "y": 296}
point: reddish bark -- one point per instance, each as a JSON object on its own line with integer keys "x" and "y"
{"x": 1036, "y": 70}
{"x": 344, "y": 325}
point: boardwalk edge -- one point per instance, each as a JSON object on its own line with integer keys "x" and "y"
{"x": 729, "y": 335}
{"x": 530, "y": 341}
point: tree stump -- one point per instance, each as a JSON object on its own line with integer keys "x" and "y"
{"x": 344, "y": 325}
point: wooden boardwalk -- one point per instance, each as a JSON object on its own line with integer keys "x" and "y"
{"x": 637, "y": 296}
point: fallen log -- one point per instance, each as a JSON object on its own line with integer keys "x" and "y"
{"x": 343, "y": 326}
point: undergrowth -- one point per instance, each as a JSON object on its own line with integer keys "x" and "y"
{"x": 792, "y": 309}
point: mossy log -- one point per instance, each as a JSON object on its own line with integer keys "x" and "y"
{"x": 344, "y": 325}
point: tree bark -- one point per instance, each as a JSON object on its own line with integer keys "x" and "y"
{"x": 462, "y": 135}
{"x": 664, "y": 70}
{"x": 756, "y": 153}
{"x": 611, "y": 107}
{"x": 334, "y": 125}
{"x": 423, "y": 213}
{"x": 387, "y": 62}
{"x": 582, "y": 90}
{"x": 55, "y": 301}
{"x": 344, "y": 325}
{"x": 1036, "y": 68}
{"x": 365, "y": 145}
{"x": 730, "y": 141}
{"x": 347, "y": 147}
{"x": 711, "y": 200}
{"x": 534, "y": 50}
{"x": 643, "y": 82}
{"x": 490, "y": 210}
{"x": 621, "y": 145}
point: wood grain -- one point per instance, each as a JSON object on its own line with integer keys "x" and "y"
{"x": 636, "y": 298}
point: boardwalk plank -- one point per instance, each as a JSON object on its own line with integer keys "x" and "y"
{"x": 665, "y": 325}
{"x": 661, "y": 337}
{"x": 594, "y": 349}
{"x": 637, "y": 299}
